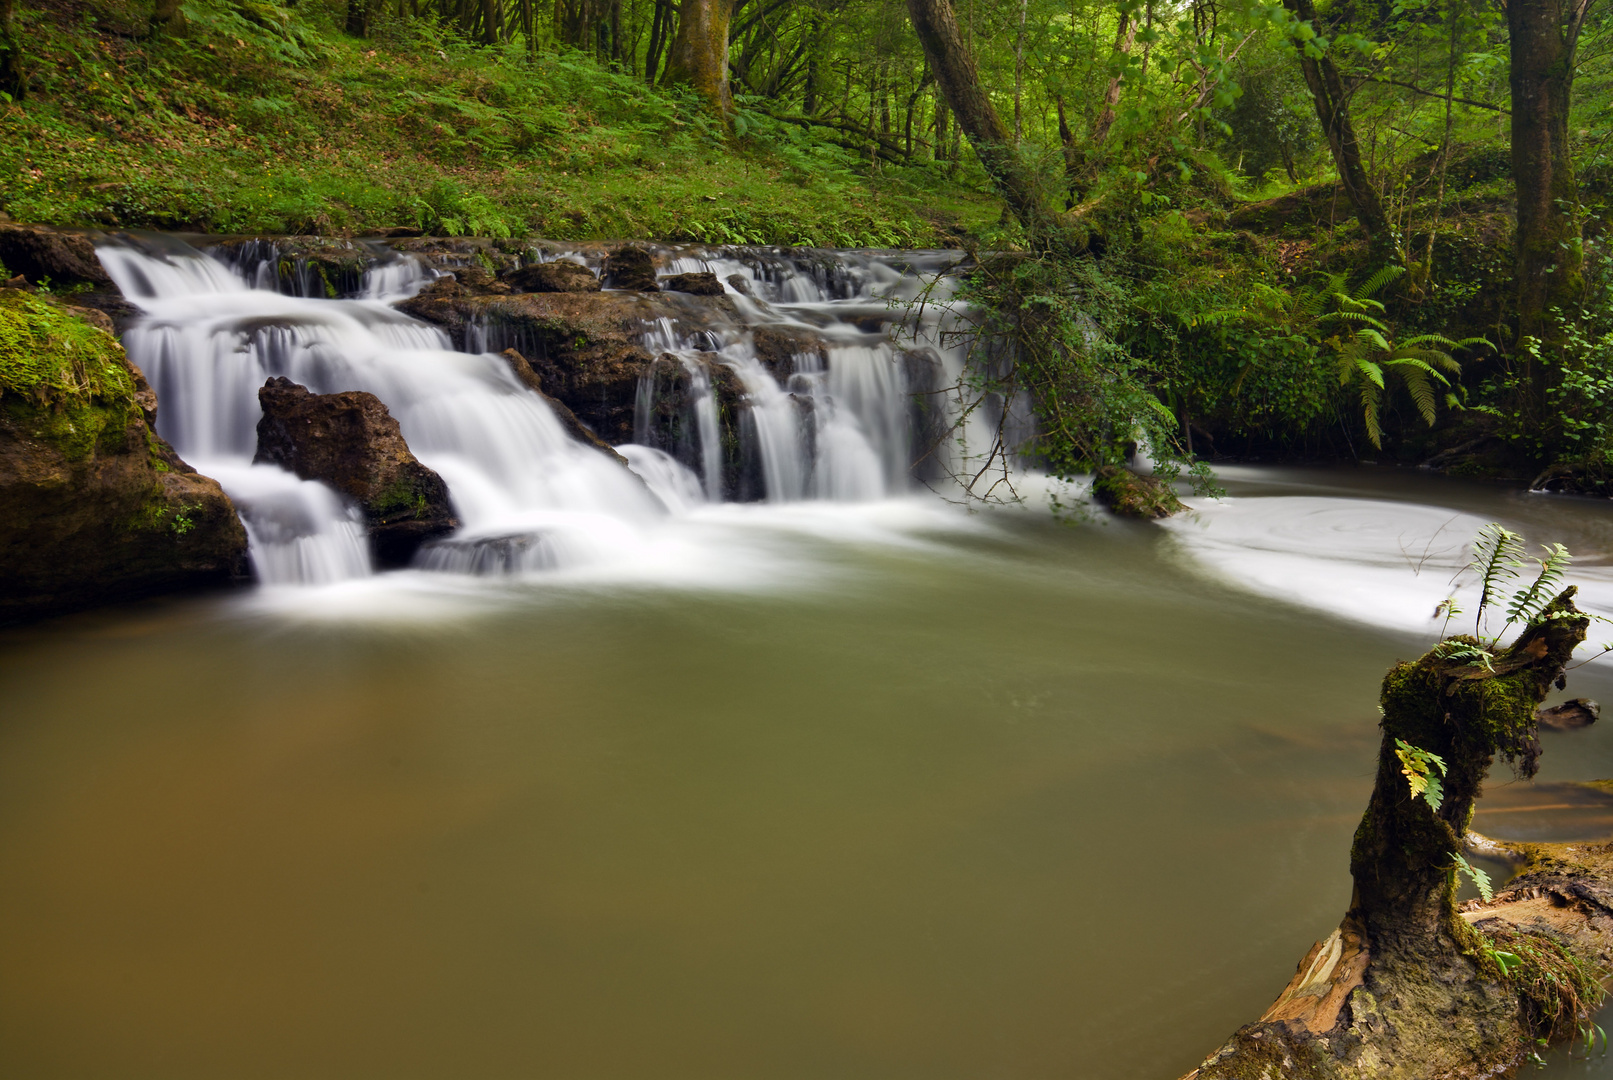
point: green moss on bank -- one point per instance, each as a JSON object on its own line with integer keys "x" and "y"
{"x": 268, "y": 119}
{"x": 62, "y": 381}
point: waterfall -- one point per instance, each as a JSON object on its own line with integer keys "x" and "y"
{"x": 830, "y": 422}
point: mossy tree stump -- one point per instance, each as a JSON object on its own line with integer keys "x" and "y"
{"x": 1406, "y": 988}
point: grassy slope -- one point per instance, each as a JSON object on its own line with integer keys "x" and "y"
{"x": 267, "y": 119}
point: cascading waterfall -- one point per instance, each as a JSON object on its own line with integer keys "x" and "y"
{"x": 834, "y": 427}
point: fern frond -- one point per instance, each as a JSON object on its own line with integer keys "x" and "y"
{"x": 1379, "y": 280}
{"x": 1375, "y": 337}
{"x": 1437, "y": 339}
{"x": 1372, "y": 371}
{"x": 1418, "y": 385}
{"x": 1528, "y": 603}
{"x": 1370, "y": 393}
{"x": 1354, "y": 316}
{"x": 1497, "y": 556}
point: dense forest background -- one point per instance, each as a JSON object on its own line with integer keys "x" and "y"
{"x": 1252, "y": 229}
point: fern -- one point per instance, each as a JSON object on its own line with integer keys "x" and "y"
{"x": 1482, "y": 880}
{"x": 1526, "y": 604}
{"x": 1417, "y": 766}
{"x": 1497, "y": 557}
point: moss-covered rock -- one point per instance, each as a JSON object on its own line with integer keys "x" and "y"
{"x": 97, "y": 507}
{"x": 1133, "y": 496}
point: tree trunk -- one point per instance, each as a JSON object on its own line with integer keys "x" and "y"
{"x": 956, "y": 75}
{"x": 1333, "y": 112}
{"x": 13, "y": 80}
{"x": 1404, "y": 988}
{"x": 809, "y": 95}
{"x": 1544, "y": 35}
{"x": 1019, "y": 73}
{"x": 1125, "y": 36}
{"x": 699, "y": 54}
{"x": 1072, "y": 156}
{"x": 167, "y": 16}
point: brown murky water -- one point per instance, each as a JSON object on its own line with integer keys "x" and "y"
{"x": 1017, "y": 800}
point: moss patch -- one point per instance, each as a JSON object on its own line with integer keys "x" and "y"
{"x": 62, "y": 381}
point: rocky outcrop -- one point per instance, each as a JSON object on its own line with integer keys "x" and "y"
{"x": 585, "y": 348}
{"x": 673, "y": 388}
{"x": 521, "y": 368}
{"x": 698, "y": 284}
{"x": 351, "y": 442}
{"x": 44, "y": 255}
{"x": 782, "y": 348}
{"x": 322, "y": 267}
{"x": 98, "y": 508}
{"x": 561, "y": 275}
{"x": 630, "y": 267}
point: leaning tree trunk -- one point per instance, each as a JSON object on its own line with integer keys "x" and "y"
{"x": 1543, "y": 35}
{"x": 13, "y": 80}
{"x": 1332, "y": 104}
{"x": 1406, "y": 988}
{"x": 167, "y": 16}
{"x": 959, "y": 80}
{"x": 698, "y": 57}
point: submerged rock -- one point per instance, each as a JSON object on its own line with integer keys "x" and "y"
{"x": 699, "y": 284}
{"x": 1130, "y": 495}
{"x": 1571, "y": 715}
{"x": 630, "y": 267}
{"x": 561, "y": 276}
{"x": 351, "y": 442}
{"x": 98, "y": 508}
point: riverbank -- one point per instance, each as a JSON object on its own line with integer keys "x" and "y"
{"x": 268, "y": 119}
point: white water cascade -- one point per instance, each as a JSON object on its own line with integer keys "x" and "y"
{"x": 530, "y": 498}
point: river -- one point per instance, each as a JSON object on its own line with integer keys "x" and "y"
{"x": 872, "y": 787}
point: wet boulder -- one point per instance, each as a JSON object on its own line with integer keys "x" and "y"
{"x": 1571, "y": 715}
{"x": 350, "y": 441}
{"x": 561, "y": 276}
{"x": 321, "y": 267}
{"x": 98, "y": 508}
{"x": 521, "y": 368}
{"x": 785, "y": 348}
{"x": 697, "y": 284}
{"x": 586, "y": 348}
{"x": 630, "y": 267}
{"x": 42, "y": 254}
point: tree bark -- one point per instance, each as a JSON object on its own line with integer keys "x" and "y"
{"x": 959, "y": 80}
{"x": 698, "y": 57}
{"x": 1332, "y": 104}
{"x": 167, "y": 16}
{"x": 1544, "y": 35}
{"x": 1125, "y": 37}
{"x": 13, "y": 79}
{"x": 1402, "y": 990}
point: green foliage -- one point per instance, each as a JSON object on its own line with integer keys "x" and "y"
{"x": 1418, "y": 767}
{"x": 49, "y": 357}
{"x": 62, "y": 381}
{"x": 1044, "y": 330}
{"x": 1561, "y": 988}
{"x": 1481, "y": 881}
{"x": 263, "y": 118}
{"x": 1497, "y": 558}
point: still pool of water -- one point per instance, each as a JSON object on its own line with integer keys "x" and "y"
{"x": 888, "y": 791}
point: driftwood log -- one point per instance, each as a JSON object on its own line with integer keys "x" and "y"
{"x": 1410, "y": 987}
